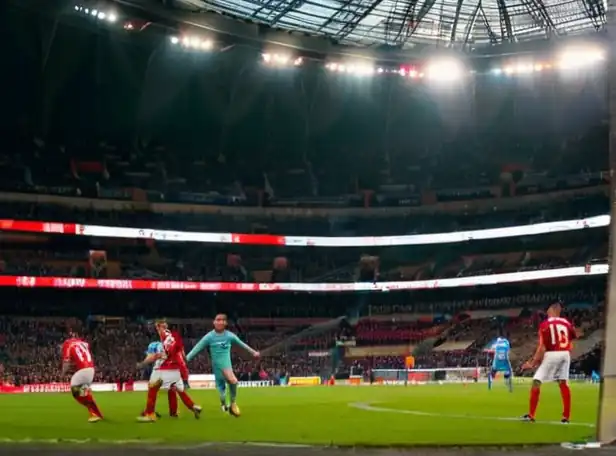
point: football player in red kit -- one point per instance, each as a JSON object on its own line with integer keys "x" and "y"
{"x": 553, "y": 356}
{"x": 76, "y": 356}
{"x": 168, "y": 375}
{"x": 172, "y": 393}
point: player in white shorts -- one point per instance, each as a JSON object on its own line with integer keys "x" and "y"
{"x": 166, "y": 376}
{"x": 76, "y": 356}
{"x": 553, "y": 356}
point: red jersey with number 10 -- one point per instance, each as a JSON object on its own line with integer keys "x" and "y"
{"x": 557, "y": 334}
{"x": 77, "y": 352}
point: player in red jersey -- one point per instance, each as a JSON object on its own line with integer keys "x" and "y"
{"x": 167, "y": 376}
{"x": 172, "y": 393}
{"x": 553, "y": 356}
{"x": 76, "y": 356}
{"x": 182, "y": 358}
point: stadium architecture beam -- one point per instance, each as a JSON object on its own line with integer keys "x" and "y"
{"x": 350, "y": 26}
{"x": 540, "y": 6}
{"x": 505, "y": 21}
{"x": 409, "y": 16}
{"x": 607, "y": 407}
{"x": 595, "y": 9}
{"x": 425, "y": 9}
{"x": 533, "y": 12}
{"x": 457, "y": 19}
{"x": 229, "y": 30}
{"x": 471, "y": 24}
{"x": 290, "y": 7}
{"x": 486, "y": 23}
{"x": 341, "y": 14}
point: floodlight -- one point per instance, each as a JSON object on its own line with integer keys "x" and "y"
{"x": 175, "y": 40}
{"x": 580, "y": 57}
{"x": 449, "y": 69}
{"x": 112, "y": 17}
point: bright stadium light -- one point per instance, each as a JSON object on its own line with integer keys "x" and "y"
{"x": 448, "y": 69}
{"x": 353, "y": 68}
{"x": 280, "y": 60}
{"x": 102, "y": 15}
{"x": 524, "y": 68}
{"x": 112, "y": 17}
{"x": 193, "y": 42}
{"x": 580, "y": 57}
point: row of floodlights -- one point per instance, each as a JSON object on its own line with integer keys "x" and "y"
{"x": 451, "y": 69}
{"x": 444, "y": 69}
{"x": 193, "y": 42}
{"x": 96, "y": 13}
{"x": 567, "y": 60}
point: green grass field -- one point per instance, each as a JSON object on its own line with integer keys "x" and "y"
{"x": 413, "y": 415}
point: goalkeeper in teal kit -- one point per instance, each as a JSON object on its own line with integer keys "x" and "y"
{"x": 218, "y": 343}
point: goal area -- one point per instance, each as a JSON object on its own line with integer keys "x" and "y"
{"x": 422, "y": 376}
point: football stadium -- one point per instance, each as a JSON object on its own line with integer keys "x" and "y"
{"x": 279, "y": 226}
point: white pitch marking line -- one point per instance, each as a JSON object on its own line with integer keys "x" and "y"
{"x": 371, "y": 408}
{"x": 80, "y": 441}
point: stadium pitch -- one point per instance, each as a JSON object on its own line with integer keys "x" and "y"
{"x": 380, "y": 416}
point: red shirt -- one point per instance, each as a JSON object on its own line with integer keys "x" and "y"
{"x": 173, "y": 352}
{"x": 77, "y": 352}
{"x": 557, "y": 334}
{"x": 181, "y": 359}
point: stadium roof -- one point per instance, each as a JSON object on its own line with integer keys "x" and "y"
{"x": 405, "y": 23}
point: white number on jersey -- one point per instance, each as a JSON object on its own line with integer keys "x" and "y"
{"x": 82, "y": 351}
{"x": 559, "y": 334}
{"x": 168, "y": 343}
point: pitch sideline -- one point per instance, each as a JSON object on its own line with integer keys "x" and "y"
{"x": 367, "y": 406}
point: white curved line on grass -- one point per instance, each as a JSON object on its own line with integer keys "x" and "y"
{"x": 370, "y": 408}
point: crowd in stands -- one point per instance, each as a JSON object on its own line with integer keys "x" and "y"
{"x": 30, "y": 346}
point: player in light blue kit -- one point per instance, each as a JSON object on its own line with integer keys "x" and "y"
{"x": 153, "y": 349}
{"x": 501, "y": 363}
{"x": 219, "y": 343}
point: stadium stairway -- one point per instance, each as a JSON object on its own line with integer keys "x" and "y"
{"x": 584, "y": 346}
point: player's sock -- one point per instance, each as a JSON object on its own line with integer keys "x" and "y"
{"x": 233, "y": 391}
{"x": 92, "y": 406}
{"x": 509, "y": 381}
{"x": 565, "y": 394}
{"x": 188, "y": 402}
{"x": 173, "y": 402}
{"x": 222, "y": 392}
{"x": 535, "y": 392}
{"x": 489, "y": 381}
{"x": 88, "y": 402}
{"x": 150, "y": 406}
